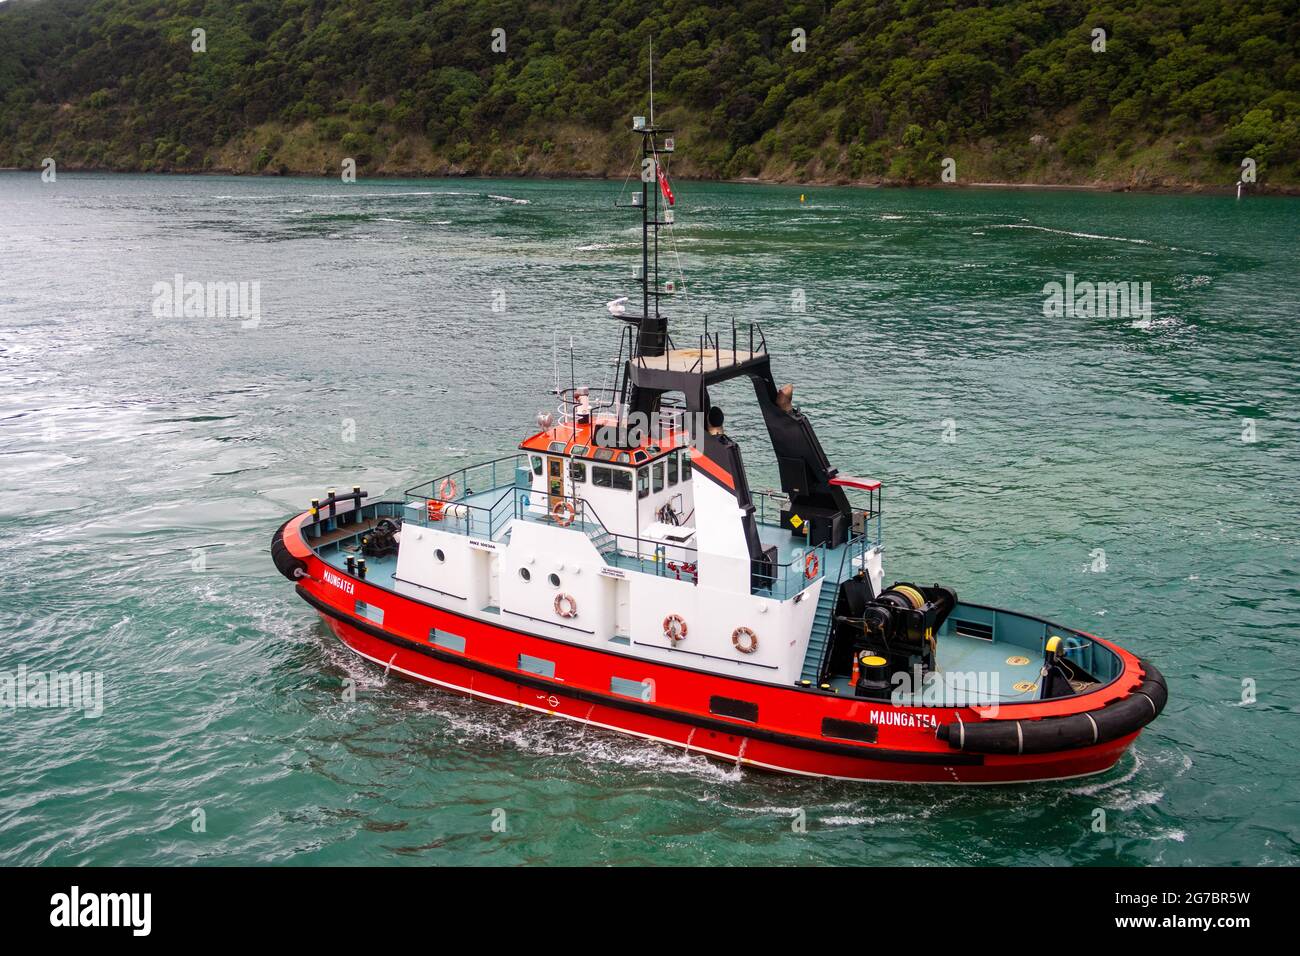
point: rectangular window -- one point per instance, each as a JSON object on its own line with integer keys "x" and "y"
{"x": 686, "y": 467}
{"x": 603, "y": 454}
{"x": 537, "y": 665}
{"x": 642, "y": 482}
{"x": 577, "y": 471}
{"x": 640, "y": 689}
{"x": 370, "y": 612}
{"x": 453, "y": 642}
{"x": 537, "y": 464}
{"x": 849, "y": 730}
{"x": 622, "y": 479}
{"x": 739, "y": 709}
{"x": 602, "y": 477}
{"x": 657, "y": 474}
{"x": 672, "y": 469}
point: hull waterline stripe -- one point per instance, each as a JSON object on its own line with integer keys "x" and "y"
{"x": 953, "y": 759}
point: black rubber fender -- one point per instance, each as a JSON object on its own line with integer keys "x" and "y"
{"x": 291, "y": 567}
{"x": 1053, "y": 734}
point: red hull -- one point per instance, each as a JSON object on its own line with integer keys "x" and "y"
{"x": 789, "y": 735}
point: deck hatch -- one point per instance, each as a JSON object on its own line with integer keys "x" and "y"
{"x": 849, "y": 730}
{"x": 737, "y": 709}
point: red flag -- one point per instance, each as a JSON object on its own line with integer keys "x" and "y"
{"x": 663, "y": 184}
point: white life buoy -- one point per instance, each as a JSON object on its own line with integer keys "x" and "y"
{"x": 675, "y": 628}
{"x": 744, "y": 640}
{"x": 565, "y": 605}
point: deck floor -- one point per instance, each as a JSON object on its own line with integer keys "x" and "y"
{"x": 974, "y": 671}
{"x": 696, "y": 360}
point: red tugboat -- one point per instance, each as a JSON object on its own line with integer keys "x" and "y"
{"x": 619, "y": 571}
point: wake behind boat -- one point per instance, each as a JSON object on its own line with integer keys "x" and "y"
{"x": 619, "y": 571}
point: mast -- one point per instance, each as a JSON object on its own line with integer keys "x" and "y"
{"x": 651, "y": 337}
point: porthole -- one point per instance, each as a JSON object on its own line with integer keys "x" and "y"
{"x": 439, "y": 554}
{"x": 554, "y": 579}
{"x": 524, "y": 573}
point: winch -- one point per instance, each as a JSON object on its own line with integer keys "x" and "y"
{"x": 876, "y": 637}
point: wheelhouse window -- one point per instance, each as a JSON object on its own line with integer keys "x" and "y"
{"x": 686, "y": 467}
{"x": 657, "y": 477}
{"x": 618, "y": 478}
{"x": 557, "y": 446}
{"x": 537, "y": 464}
{"x": 577, "y": 471}
{"x": 672, "y": 469}
{"x": 578, "y": 451}
{"x": 642, "y": 482}
{"x": 603, "y": 454}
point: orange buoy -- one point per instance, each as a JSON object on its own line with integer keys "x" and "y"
{"x": 565, "y": 605}
{"x": 675, "y": 628}
{"x": 744, "y": 640}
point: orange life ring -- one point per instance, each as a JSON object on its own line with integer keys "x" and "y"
{"x": 563, "y": 514}
{"x": 435, "y": 510}
{"x": 744, "y": 640}
{"x": 675, "y": 628}
{"x": 565, "y": 605}
{"x": 811, "y": 566}
{"x": 447, "y": 488}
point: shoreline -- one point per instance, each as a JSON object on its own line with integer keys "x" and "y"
{"x": 1181, "y": 188}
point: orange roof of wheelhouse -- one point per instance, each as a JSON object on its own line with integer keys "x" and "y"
{"x": 579, "y": 436}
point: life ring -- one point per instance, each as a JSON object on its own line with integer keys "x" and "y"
{"x": 744, "y": 640}
{"x": 565, "y": 605}
{"x": 435, "y": 509}
{"x": 675, "y": 628}
{"x": 447, "y": 488}
{"x": 811, "y": 566}
{"x": 563, "y": 514}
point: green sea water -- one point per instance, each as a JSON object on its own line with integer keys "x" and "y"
{"x": 1135, "y": 476}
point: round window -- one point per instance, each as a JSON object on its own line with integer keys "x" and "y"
{"x": 555, "y": 580}
{"x": 523, "y": 573}
{"x": 438, "y": 553}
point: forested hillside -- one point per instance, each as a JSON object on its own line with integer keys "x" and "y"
{"x": 881, "y": 90}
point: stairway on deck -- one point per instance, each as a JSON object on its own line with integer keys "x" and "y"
{"x": 821, "y": 630}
